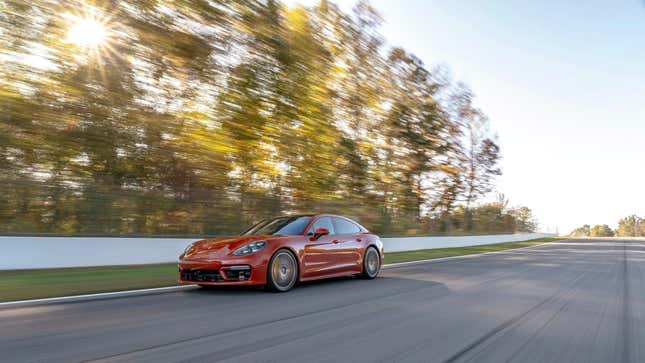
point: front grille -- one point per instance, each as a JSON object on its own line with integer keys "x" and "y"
{"x": 201, "y": 275}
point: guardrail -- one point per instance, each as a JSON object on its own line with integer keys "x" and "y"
{"x": 51, "y": 252}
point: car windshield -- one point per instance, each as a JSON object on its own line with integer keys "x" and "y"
{"x": 290, "y": 226}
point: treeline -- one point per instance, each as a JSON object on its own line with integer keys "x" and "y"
{"x": 200, "y": 117}
{"x": 631, "y": 226}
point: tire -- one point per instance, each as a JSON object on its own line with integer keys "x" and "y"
{"x": 371, "y": 263}
{"x": 282, "y": 271}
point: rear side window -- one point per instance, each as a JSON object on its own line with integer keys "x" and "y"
{"x": 343, "y": 226}
{"x": 323, "y": 222}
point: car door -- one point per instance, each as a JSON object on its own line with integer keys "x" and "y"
{"x": 349, "y": 248}
{"x": 319, "y": 257}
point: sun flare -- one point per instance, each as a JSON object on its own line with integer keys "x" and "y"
{"x": 87, "y": 33}
{"x": 91, "y": 39}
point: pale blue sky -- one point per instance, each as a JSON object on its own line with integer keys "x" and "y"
{"x": 563, "y": 83}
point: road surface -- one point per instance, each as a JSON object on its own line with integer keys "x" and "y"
{"x": 571, "y": 301}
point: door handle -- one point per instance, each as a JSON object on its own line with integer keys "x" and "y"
{"x": 335, "y": 241}
{"x": 358, "y": 240}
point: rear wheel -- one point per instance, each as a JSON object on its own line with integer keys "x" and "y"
{"x": 282, "y": 272}
{"x": 371, "y": 263}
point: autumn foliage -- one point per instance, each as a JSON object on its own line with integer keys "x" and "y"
{"x": 200, "y": 117}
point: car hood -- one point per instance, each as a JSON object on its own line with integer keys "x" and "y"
{"x": 222, "y": 246}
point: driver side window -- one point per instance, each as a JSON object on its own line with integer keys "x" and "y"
{"x": 323, "y": 222}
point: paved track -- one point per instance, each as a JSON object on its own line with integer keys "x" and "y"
{"x": 572, "y": 301}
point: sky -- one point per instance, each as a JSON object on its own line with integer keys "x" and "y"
{"x": 563, "y": 83}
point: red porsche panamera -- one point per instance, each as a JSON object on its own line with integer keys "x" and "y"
{"x": 282, "y": 251}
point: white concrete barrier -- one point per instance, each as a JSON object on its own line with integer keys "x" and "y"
{"x": 50, "y": 252}
{"x": 398, "y": 244}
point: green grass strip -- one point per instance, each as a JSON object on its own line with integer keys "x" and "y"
{"x": 407, "y": 256}
{"x": 34, "y": 284}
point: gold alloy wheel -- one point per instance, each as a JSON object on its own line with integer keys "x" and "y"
{"x": 372, "y": 262}
{"x": 283, "y": 270}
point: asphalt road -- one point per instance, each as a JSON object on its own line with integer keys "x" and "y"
{"x": 572, "y": 301}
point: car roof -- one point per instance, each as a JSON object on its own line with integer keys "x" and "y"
{"x": 341, "y": 216}
{"x": 310, "y": 215}
{"x": 313, "y": 215}
{"x": 332, "y": 215}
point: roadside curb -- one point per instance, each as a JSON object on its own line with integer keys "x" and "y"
{"x": 163, "y": 290}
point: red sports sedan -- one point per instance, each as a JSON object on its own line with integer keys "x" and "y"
{"x": 279, "y": 252}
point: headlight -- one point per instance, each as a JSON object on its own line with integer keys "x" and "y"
{"x": 188, "y": 248}
{"x": 252, "y": 247}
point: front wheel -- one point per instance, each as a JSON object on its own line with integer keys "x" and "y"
{"x": 282, "y": 273}
{"x": 371, "y": 263}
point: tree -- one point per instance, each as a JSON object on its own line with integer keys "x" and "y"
{"x": 601, "y": 230}
{"x": 481, "y": 153}
{"x": 583, "y": 231}
{"x": 631, "y": 226}
{"x": 525, "y": 222}
{"x": 198, "y": 117}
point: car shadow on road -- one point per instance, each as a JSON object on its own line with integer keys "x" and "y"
{"x": 348, "y": 284}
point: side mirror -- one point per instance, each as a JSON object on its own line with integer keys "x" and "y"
{"x": 319, "y": 232}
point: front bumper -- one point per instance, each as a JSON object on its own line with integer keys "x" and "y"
{"x": 250, "y": 270}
